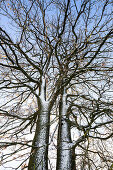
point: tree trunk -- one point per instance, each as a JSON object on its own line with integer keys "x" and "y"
{"x": 65, "y": 154}
{"x": 39, "y": 156}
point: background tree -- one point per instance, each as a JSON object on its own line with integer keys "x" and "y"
{"x": 56, "y": 66}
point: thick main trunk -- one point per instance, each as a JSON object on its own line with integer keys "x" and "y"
{"x": 65, "y": 154}
{"x": 39, "y": 156}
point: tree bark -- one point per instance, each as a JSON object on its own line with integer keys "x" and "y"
{"x": 39, "y": 155}
{"x": 65, "y": 153}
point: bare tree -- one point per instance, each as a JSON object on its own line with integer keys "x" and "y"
{"x": 56, "y": 60}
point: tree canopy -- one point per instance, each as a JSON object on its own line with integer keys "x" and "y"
{"x": 56, "y": 76}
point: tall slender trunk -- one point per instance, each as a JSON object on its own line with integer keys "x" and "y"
{"x": 39, "y": 155}
{"x": 65, "y": 154}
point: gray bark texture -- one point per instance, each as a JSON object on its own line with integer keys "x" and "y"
{"x": 39, "y": 154}
{"x": 65, "y": 153}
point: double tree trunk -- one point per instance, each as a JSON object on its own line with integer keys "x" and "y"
{"x": 65, "y": 152}
{"x": 39, "y": 153}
